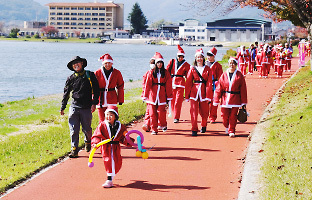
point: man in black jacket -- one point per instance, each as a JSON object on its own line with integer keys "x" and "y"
{"x": 85, "y": 94}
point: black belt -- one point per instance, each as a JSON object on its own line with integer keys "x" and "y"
{"x": 161, "y": 84}
{"x": 108, "y": 89}
{"x": 172, "y": 75}
{"x": 232, "y": 92}
{"x": 199, "y": 81}
{"x": 113, "y": 142}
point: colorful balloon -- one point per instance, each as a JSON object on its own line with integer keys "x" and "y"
{"x": 141, "y": 151}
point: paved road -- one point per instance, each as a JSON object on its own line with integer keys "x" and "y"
{"x": 179, "y": 166}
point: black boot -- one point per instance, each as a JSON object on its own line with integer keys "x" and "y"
{"x": 194, "y": 133}
{"x": 203, "y": 130}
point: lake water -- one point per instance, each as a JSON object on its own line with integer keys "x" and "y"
{"x": 34, "y": 69}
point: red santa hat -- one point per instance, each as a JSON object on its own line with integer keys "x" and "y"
{"x": 232, "y": 58}
{"x": 158, "y": 57}
{"x": 113, "y": 109}
{"x": 106, "y": 58}
{"x": 180, "y": 51}
{"x": 212, "y": 51}
{"x": 199, "y": 52}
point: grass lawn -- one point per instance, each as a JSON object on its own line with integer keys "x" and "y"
{"x": 287, "y": 170}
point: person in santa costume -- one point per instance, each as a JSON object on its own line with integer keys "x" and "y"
{"x": 232, "y": 91}
{"x": 198, "y": 91}
{"x": 253, "y": 52}
{"x": 217, "y": 71}
{"x": 147, "y": 118}
{"x": 280, "y": 60}
{"x": 243, "y": 58}
{"x": 107, "y": 129}
{"x": 111, "y": 85}
{"x": 178, "y": 69}
{"x": 264, "y": 61}
{"x": 157, "y": 92}
{"x": 288, "y": 51}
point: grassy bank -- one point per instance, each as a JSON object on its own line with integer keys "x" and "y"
{"x": 32, "y": 39}
{"x": 287, "y": 171}
{"x": 27, "y": 147}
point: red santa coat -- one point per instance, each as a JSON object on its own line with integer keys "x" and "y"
{"x": 178, "y": 74}
{"x": 264, "y": 57}
{"x": 233, "y": 93}
{"x": 280, "y": 58}
{"x": 194, "y": 89}
{"x": 108, "y": 94}
{"x": 217, "y": 71}
{"x": 243, "y": 57}
{"x": 110, "y": 152}
{"x": 157, "y": 90}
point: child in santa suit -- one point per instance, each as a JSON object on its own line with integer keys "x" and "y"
{"x": 217, "y": 71}
{"x": 243, "y": 58}
{"x": 147, "y": 118}
{"x": 157, "y": 92}
{"x": 107, "y": 129}
{"x": 232, "y": 91}
{"x": 198, "y": 91}
{"x": 178, "y": 69}
{"x": 280, "y": 61}
{"x": 110, "y": 80}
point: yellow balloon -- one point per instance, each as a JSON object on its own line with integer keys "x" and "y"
{"x": 138, "y": 154}
{"x": 144, "y": 155}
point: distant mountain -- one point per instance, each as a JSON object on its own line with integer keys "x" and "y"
{"x": 18, "y": 11}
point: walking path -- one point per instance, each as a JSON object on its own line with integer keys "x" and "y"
{"x": 179, "y": 166}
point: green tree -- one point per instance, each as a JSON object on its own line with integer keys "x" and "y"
{"x": 137, "y": 19}
{"x": 158, "y": 24}
{"x": 14, "y": 32}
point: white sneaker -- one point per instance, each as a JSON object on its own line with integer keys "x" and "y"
{"x": 164, "y": 129}
{"x": 227, "y": 130}
{"x": 154, "y": 133}
{"x": 108, "y": 184}
{"x": 232, "y": 135}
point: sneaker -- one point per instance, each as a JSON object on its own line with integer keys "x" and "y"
{"x": 159, "y": 127}
{"x": 74, "y": 153}
{"x": 176, "y": 121}
{"x": 194, "y": 133}
{"x": 154, "y": 133}
{"x": 227, "y": 130}
{"x": 231, "y": 135}
{"x": 108, "y": 184}
{"x": 145, "y": 128}
{"x": 164, "y": 129}
{"x": 212, "y": 121}
{"x": 88, "y": 146}
{"x": 203, "y": 130}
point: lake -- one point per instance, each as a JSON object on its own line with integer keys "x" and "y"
{"x": 34, "y": 69}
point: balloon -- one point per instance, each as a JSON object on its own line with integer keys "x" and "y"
{"x": 90, "y": 163}
{"x": 141, "y": 151}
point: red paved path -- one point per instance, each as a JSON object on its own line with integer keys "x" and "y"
{"x": 179, "y": 166}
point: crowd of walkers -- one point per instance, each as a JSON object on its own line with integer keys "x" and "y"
{"x": 203, "y": 84}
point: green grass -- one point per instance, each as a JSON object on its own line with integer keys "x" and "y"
{"x": 287, "y": 170}
{"x": 87, "y": 40}
{"x": 25, "y": 154}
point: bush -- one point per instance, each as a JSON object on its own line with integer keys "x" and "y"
{"x": 229, "y": 53}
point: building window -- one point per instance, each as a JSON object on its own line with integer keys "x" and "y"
{"x": 52, "y": 23}
{"x": 222, "y": 30}
{"x": 59, "y": 27}
{"x": 81, "y": 14}
{"x": 80, "y": 19}
{"x": 88, "y": 8}
{"x": 60, "y": 8}
{"x": 74, "y": 18}
{"x": 66, "y": 13}
{"x": 233, "y": 30}
{"x": 189, "y": 30}
{"x": 87, "y": 24}
{"x": 73, "y": 13}
{"x": 59, "y": 13}
{"x": 94, "y": 24}
{"x": 108, "y": 24}
{"x": 102, "y": 24}
{"x": 73, "y": 23}
{"x": 52, "y": 8}
{"x": 66, "y": 23}
{"x": 52, "y": 18}
{"x": 87, "y": 14}
{"x": 73, "y": 28}
{"x": 102, "y": 19}
{"x": 80, "y": 24}
{"x": 59, "y": 23}
{"x": 66, "y": 27}
{"x": 66, "y": 8}
{"x": 102, "y": 8}
{"x": 66, "y": 18}
{"x": 87, "y": 27}
{"x": 95, "y": 14}
{"x": 108, "y": 19}
{"x": 94, "y": 19}
{"x": 87, "y": 19}
{"x": 95, "y": 8}
{"x": 60, "y": 18}
{"x": 74, "y": 8}
{"x": 80, "y": 8}
{"x": 52, "y": 13}
{"x": 201, "y": 30}
{"x": 101, "y": 14}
